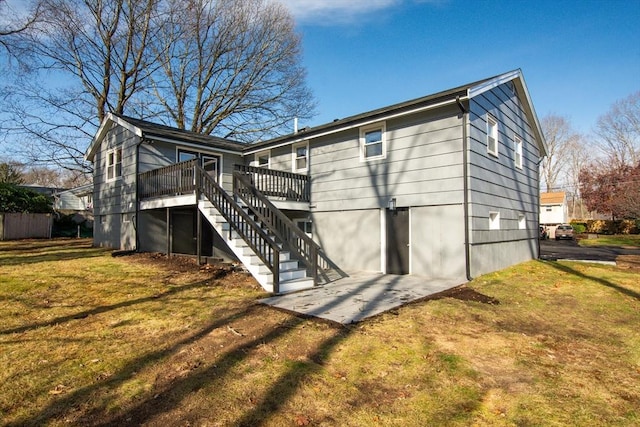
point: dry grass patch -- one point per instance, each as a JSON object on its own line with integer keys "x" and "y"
{"x": 95, "y": 340}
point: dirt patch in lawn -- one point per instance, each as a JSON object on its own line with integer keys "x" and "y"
{"x": 628, "y": 262}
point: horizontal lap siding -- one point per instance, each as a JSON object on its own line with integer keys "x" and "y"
{"x": 497, "y": 185}
{"x": 115, "y": 200}
{"x": 423, "y": 165}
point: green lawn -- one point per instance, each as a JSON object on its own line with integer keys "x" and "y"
{"x": 90, "y": 339}
{"x": 632, "y": 240}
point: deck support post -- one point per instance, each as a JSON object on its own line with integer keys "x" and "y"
{"x": 168, "y": 232}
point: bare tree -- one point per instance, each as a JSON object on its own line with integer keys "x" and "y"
{"x": 576, "y": 154}
{"x": 231, "y": 68}
{"x": 14, "y": 25}
{"x": 559, "y": 135}
{"x": 225, "y": 67}
{"x": 619, "y": 131}
{"x": 92, "y": 58}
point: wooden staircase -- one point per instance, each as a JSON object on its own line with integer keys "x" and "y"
{"x": 276, "y": 252}
{"x": 292, "y": 276}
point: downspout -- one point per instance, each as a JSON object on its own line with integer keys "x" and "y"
{"x": 137, "y": 214}
{"x": 465, "y": 175}
{"x": 538, "y": 217}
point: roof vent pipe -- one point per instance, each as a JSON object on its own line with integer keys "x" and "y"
{"x": 295, "y": 125}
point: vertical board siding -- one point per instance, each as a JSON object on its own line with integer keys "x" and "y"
{"x": 496, "y": 184}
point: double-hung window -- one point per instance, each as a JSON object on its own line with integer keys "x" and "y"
{"x": 262, "y": 159}
{"x": 492, "y": 136}
{"x": 300, "y": 157}
{"x": 114, "y": 164}
{"x": 372, "y": 142}
{"x": 517, "y": 152}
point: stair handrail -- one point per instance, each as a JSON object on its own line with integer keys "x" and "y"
{"x": 261, "y": 243}
{"x": 311, "y": 255}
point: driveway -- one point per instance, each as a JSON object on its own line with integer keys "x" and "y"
{"x": 552, "y": 250}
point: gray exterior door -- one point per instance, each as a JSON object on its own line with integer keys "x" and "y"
{"x": 398, "y": 241}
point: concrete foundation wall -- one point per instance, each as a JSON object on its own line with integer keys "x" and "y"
{"x": 350, "y": 238}
{"x": 437, "y": 241}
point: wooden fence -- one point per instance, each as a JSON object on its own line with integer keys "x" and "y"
{"x": 25, "y": 226}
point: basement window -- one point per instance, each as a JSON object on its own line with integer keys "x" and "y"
{"x": 522, "y": 222}
{"x": 494, "y": 220}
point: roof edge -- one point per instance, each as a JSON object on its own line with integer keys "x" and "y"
{"x": 102, "y": 130}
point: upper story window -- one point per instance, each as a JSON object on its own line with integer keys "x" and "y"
{"x": 114, "y": 164}
{"x": 372, "y": 142}
{"x": 492, "y": 136}
{"x": 300, "y": 157}
{"x": 517, "y": 152}
{"x": 263, "y": 159}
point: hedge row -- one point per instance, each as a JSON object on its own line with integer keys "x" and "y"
{"x": 602, "y": 226}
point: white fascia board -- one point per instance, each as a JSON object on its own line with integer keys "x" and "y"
{"x": 306, "y": 137}
{"x": 102, "y": 130}
{"x": 521, "y": 88}
{"x": 495, "y": 82}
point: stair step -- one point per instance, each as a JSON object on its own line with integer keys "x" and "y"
{"x": 295, "y": 285}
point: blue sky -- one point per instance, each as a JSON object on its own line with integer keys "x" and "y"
{"x": 578, "y": 57}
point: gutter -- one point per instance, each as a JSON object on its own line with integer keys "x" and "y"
{"x": 538, "y": 195}
{"x": 465, "y": 175}
{"x": 137, "y": 214}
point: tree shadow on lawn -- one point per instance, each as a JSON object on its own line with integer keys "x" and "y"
{"x": 106, "y": 308}
{"x": 566, "y": 269}
{"x": 169, "y": 396}
{"x": 51, "y": 257}
{"x": 44, "y": 245}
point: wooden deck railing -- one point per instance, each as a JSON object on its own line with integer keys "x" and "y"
{"x": 278, "y": 184}
{"x": 175, "y": 179}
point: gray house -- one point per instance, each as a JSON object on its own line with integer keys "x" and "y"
{"x": 443, "y": 186}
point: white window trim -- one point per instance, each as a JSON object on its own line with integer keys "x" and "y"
{"x": 115, "y": 176}
{"x": 492, "y": 120}
{"x": 517, "y": 151}
{"x": 522, "y": 222}
{"x": 494, "y": 220}
{"x": 294, "y": 157}
{"x": 201, "y": 153}
{"x": 304, "y": 222}
{"x": 262, "y": 153}
{"x": 382, "y": 126}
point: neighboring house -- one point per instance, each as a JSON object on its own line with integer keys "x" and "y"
{"x": 553, "y": 208}
{"x": 443, "y": 186}
{"x": 78, "y": 199}
{"x": 553, "y": 211}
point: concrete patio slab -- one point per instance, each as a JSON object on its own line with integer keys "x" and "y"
{"x": 361, "y": 295}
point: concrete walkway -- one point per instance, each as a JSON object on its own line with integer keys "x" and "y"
{"x": 361, "y": 295}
